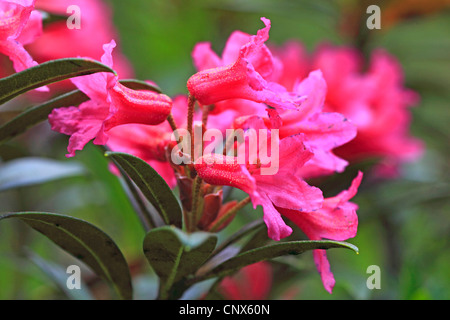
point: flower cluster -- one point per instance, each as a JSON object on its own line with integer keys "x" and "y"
{"x": 294, "y": 118}
{"x": 237, "y": 91}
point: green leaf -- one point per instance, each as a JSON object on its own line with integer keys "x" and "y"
{"x": 46, "y": 73}
{"x": 85, "y": 242}
{"x": 269, "y": 252}
{"x": 174, "y": 254}
{"x": 34, "y": 115}
{"x": 152, "y": 186}
{"x": 32, "y": 170}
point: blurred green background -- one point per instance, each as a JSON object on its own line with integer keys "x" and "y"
{"x": 404, "y": 224}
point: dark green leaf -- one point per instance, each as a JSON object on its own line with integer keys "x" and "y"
{"x": 30, "y": 171}
{"x": 85, "y": 242}
{"x": 46, "y": 73}
{"x": 174, "y": 254}
{"x": 152, "y": 186}
{"x": 269, "y": 252}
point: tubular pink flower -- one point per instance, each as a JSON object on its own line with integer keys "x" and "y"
{"x": 110, "y": 105}
{"x": 246, "y": 76}
{"x": 283, "y": 189}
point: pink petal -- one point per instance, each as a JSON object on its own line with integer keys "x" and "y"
{"x": 82, "y": 124}
{"x": 204, "y": 57}
{"x": 277, "y": 229}
{"x": 95, "y": 85}
{"x": 19, "y": 56}
{"x": 336, "y": 220}
{"x": 290, "y": 192}
{"x": 222, "y": 170}
{"x": 32, "y": 30}
{"x": 233, "y": 46}
{"x": 14, "y": 15}
{"x": 323, "y": 266}
{"x": 346, "y": 195}
{"x": 314, "y": 88}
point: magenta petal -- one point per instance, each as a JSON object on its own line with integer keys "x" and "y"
{"x": 290, "y": 192}
{"x": 95, "y": 85}
{"x": 32, "y": 30}
{"x": 323, "y": 266}
{"x": 314, "y": 88}
{"x": 346, "y": 195}
{"x": 293, "y": 153}
{"x": 19, "y": 56}
{"x": 330, "y": 222}
{"x": 82, "y": 124}
{"x": 336, "y": 220}
{"x": 222, "y": 170}
{"x": 14, "y": 15}
{"x": 323, "y": 163}
{"x": 204, "y": 57}
{"x": 233, "y": 46}
{"x": 277, "y": 229}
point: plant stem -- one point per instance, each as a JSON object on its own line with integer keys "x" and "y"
{"x": 205, "y": 114}
{"x": 196, "y": 195}
{"x": 190, "y": 123}
{"x": 173, "y": 126}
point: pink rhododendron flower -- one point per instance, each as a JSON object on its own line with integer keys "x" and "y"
{"x": 283, "y": 189}
{"x": 111, "y": 104}
{"x": 323, "y": 131}
{"x": 245, "y": 75}
{"x": 375, "y": 101}
{"x": 335, "y": 220}
{"x": 96, "y": 28}
{"x": 19, "y": 26}
{"x": 253, "y": 282}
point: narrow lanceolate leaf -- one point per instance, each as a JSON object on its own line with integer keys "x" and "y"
{"x": 269, "y": 252}
{"x": 46, "y": 73}
{"x": 30, "y": 171}
{"x": 152, "y": 185}
{"x": 85, "y": 242}
{"x": 174, "y": 254}
{"x": 35, "y": 115}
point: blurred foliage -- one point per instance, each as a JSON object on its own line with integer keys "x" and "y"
{"x": 404, "y": 224}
